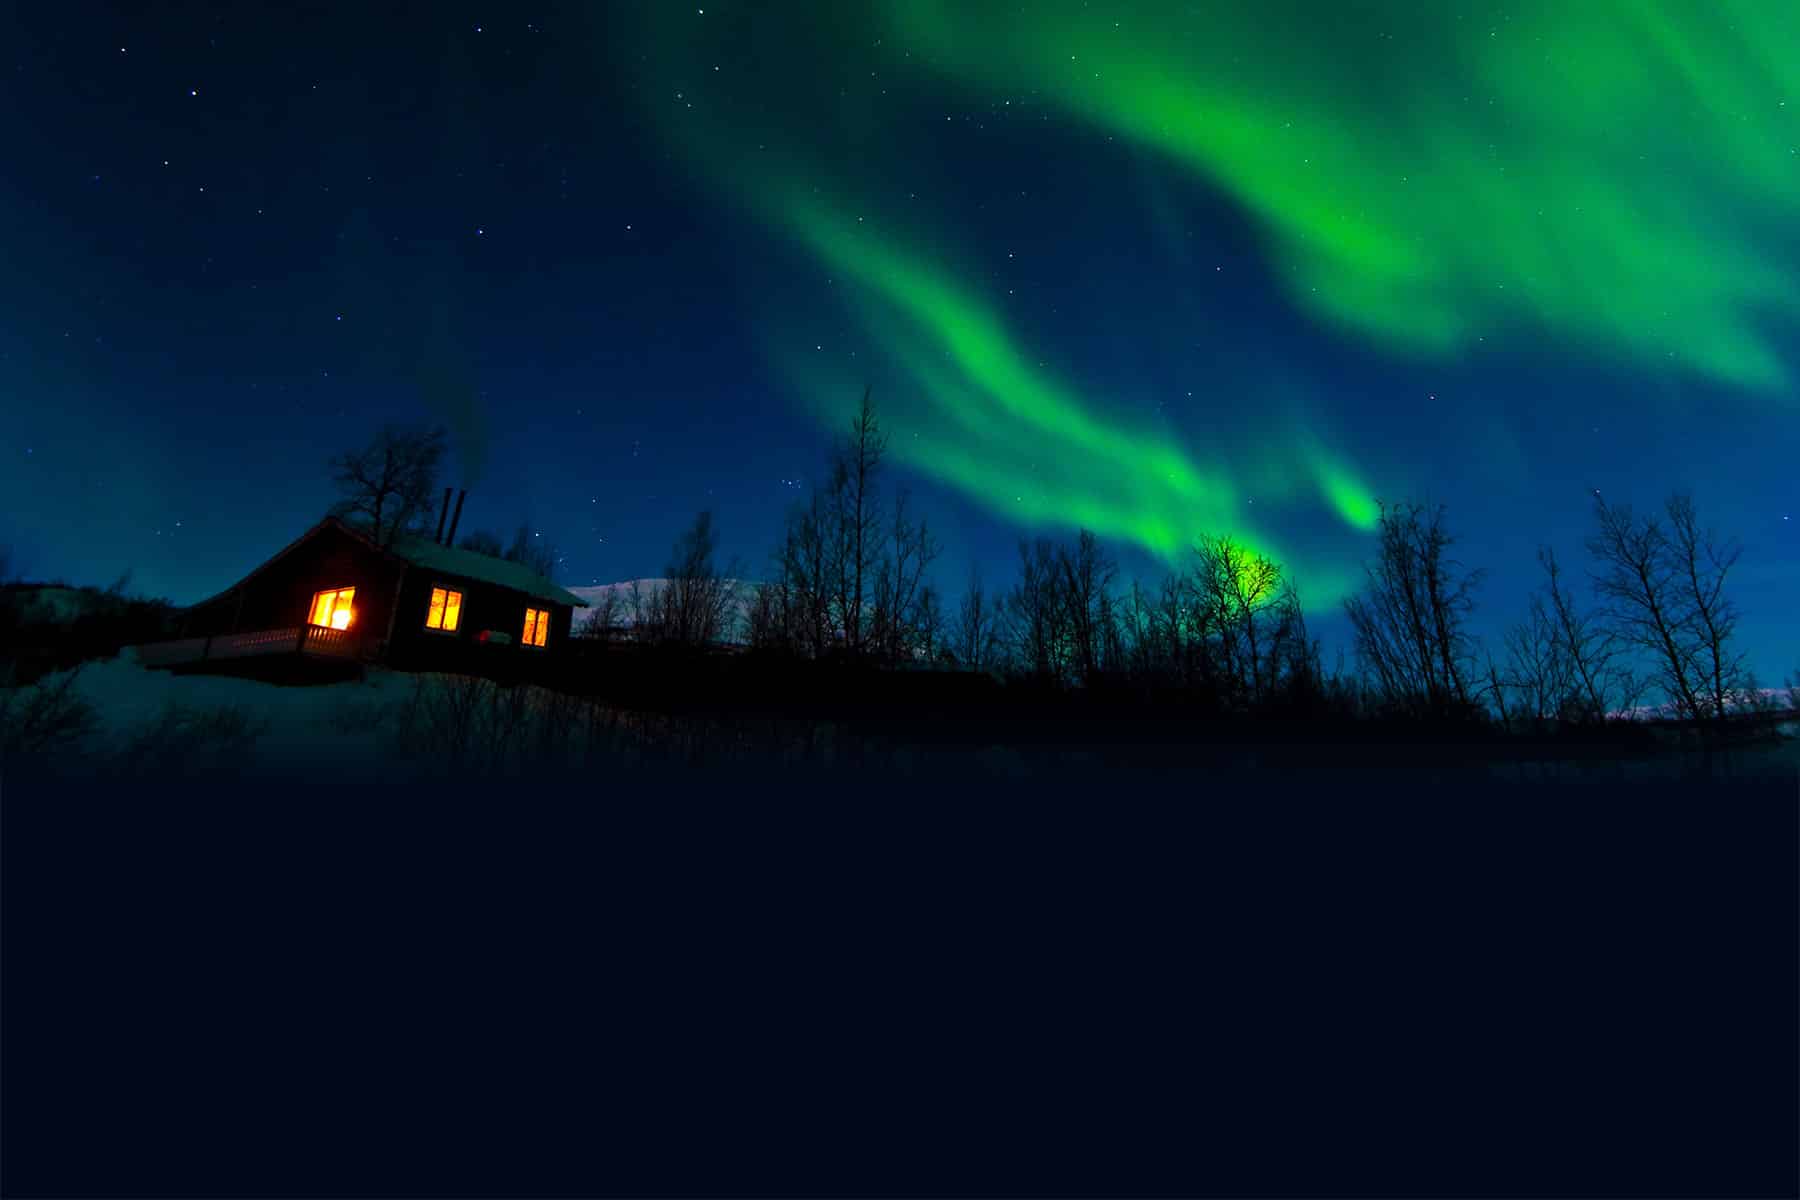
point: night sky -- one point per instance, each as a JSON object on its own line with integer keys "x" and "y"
{"x": 1155, "y": 269}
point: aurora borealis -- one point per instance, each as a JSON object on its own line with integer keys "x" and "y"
{"x": 1152, "y": 269}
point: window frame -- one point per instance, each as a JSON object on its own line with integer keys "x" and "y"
{"x": 349, "y": 594}
{"x": 462, "y": 598}
{"x": 539, "y": 626}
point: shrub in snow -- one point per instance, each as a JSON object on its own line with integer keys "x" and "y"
{"x": 49, "y": 716}
{"x": 467, "y": 723}
{"x": 183, "y": 737}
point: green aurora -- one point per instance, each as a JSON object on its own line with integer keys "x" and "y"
{"x": 1430, "y": 174}
{"x": 1612, "y": 177}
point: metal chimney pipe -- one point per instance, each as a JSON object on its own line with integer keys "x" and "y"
{"x": 443, "y": 513}
{"x": 456, "y": 517}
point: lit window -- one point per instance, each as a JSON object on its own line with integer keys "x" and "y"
{"x": 446, "y": 610}
{"x": 537, "y": 627}
{"x": 332, "y": 609}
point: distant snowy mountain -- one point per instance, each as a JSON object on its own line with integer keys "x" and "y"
{"x": 625, "y": 596}
{"x": 1780, "y": 699}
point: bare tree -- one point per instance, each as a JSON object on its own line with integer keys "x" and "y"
{"x": 645, "y": 606}
{"x": 696, "y": 605}
{"x": 1136, "y": 625}
{"x": 387, "y": 486}
{"x": 482, "y": 541}
{"x": 977, "y": 641}
{"x": 1113, "y": 658}
{"x": 927, "y": 626}
{"x": 1639, "y": 582}
{"x": 1410, "y": 621}
{"x": 1034, "y": 614}
{"x": 800, "y": 616}
{"x": 1241, "y": 592}
{"x": 1599, "y": 682}
{"x": 856, "y": 521}
{"x": 529, "y": 549}
{"x": 1083, "y": 581}
{"x": 899, "y": 584}
{"x": 49, "y": 715}
{"x": 606, "y": 614}
{"x": 1183, "y": 633}
{"x": 1702, "y": 563}
{"x": 1293, "y": 672}
{"x": 1496, "y": 689}
{"x": 1538, "y": 671}
{"x": 765, "y": 621}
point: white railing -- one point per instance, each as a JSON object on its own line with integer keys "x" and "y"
{"x": 301, "y": 639}
{"x": 321, "y": 639}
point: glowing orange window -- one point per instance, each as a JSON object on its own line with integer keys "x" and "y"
{"x": 537, "y": 627}
{"x": 446, "y": 610}
{"x": 332, "y": 608}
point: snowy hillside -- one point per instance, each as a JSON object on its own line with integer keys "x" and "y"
{"x": 59, "y": 604}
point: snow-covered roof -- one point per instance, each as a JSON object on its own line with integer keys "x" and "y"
{"x": 423, "y": 552}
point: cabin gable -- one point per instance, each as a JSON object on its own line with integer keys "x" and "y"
{"x": 282, "y": 592}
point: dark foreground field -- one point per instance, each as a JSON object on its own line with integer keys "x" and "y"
{"x": 1034, "y": 975}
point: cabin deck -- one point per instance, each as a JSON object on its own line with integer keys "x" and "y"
{"x": 229, "y": 651}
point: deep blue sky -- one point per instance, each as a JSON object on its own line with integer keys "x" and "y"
{"x": 644, "y": 263}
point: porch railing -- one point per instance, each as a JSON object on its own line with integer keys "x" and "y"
{"x": 336, "y": 643}
{"x": 302, "y": 639}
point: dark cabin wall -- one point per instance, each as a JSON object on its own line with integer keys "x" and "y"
{"x": 485, "y": 606}
{"x": 281, "y": 595}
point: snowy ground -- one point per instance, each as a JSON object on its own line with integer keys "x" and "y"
{"x": 153, "y": 722}
{"x": 337, "y": 722}
{"x": 146, "y": 721}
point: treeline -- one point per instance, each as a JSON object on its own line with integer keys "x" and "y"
{"x": 1654, "y": 625}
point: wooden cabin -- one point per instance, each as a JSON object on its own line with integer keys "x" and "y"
{"x": 336, "y": 598}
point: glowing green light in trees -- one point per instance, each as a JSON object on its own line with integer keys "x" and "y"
{"x": 1620, "y": 172}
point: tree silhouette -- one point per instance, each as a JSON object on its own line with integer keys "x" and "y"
{"x": 856, "y": 520}
{"x": 696, "y": 604}
{"x": 976, "y": 645}
{"x": 386, "y": 487}
{"x": 1640, "y": 581}
{"x": 1703, "y": 562}
{"x": 1410, "y": 621}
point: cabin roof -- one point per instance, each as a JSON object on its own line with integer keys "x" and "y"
{"x": 425, "y": 553}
